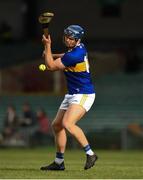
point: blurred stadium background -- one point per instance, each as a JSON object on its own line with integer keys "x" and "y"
{"x": 114, "y": 39}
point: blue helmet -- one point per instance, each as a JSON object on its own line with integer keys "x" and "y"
{"x": 74, "y": 31}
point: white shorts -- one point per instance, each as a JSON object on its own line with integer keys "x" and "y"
{"x": 85, "y": 100}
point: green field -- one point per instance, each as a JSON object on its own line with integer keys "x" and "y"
{"x": 25, "y": 164}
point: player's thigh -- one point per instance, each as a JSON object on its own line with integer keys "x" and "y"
{"x": 58, "y": 118}
{"x": 73, "y": 114}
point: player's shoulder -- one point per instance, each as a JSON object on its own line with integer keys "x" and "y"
{"x": 80, "y": 48}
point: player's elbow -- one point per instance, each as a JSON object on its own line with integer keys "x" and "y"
{"x": 51, "y": 68}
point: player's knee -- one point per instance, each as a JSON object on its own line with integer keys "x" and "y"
{"x": 68, "y": 126}
{"x": 56, "y": 126}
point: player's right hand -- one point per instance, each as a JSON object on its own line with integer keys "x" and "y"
{"x": 46, "y": 40}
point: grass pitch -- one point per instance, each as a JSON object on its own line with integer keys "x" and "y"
{"x": 25, "y": 164}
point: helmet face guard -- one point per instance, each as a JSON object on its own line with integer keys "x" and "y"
{"x": 74, "y": 31}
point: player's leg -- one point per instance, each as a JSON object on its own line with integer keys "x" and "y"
{"x": 73, "y": 114}
{"x": 59, "y": 131}
{"x": 60, "y": 142}
{"x": 77, "y": 109}
{"x": 79, "y": 104}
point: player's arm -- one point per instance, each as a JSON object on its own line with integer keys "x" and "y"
{"x": 51, "y": 64}
{"x": 55, "y": 56}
